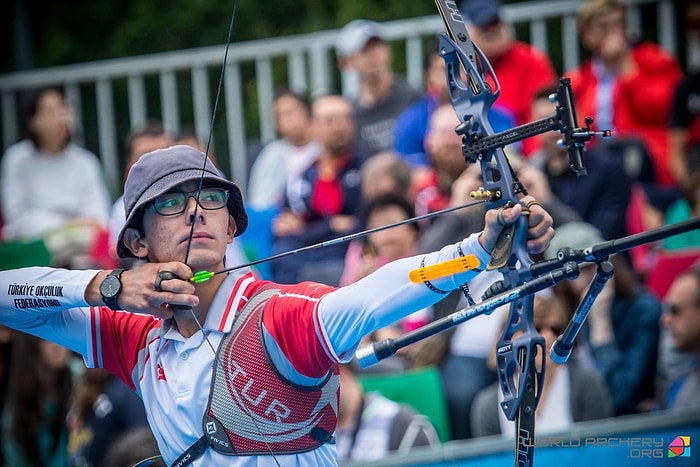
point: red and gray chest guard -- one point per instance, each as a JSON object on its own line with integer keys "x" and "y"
{"x": 253, "y": 409}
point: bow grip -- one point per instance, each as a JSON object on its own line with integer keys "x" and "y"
{"x": 503, "y": 248}
{"x": 510, "y": 241}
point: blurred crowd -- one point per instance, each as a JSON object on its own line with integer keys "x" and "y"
{"x": 389, "y": 153}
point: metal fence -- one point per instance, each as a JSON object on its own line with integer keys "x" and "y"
{"x": 112, "y": 96}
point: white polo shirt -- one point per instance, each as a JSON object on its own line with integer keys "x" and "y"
{"x": 307, "y": 329}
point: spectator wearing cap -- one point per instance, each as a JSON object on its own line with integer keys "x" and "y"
{"x": 382, "y": 94}
{"x": 623, "y": 335}
{"x": 521, "y": 69}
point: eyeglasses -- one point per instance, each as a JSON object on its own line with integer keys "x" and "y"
{"x": 173, "y": 203}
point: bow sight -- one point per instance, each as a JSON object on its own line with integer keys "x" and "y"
{"x": 473, "y": 88}
{"x": 520, "y": 361}
{"x": 472, "y": 102}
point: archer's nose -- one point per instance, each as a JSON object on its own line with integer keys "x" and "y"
{"x": 194, "y": 212}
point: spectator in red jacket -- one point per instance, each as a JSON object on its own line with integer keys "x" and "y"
{"x": 625, "y": 86}
{"x": 522, "y": 70}
{"x": 684, "y": 124}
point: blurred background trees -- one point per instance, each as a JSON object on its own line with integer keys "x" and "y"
{"x": 40, "y": 33}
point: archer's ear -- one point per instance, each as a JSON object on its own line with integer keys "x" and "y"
{"x": 231, "y": 231}
{"x": 135, "y": 244}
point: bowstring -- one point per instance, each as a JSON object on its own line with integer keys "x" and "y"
{"x": 206, "y": 158}
{"x": 196, "y": 204}
{"x": 211, "y": 124}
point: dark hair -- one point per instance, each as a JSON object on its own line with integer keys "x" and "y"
{"x": 303, "y": 100}
{"x": 90, "y": 385}
{"x": 593, "y": 9}
{"x": 28, "y": 396}
{"x": 386, "y": 200}
{"x": 544, "y": 93}
{"x": 31, "y": 107}
{"x": 149, "y": 128}
{"x": 133, "y": 446}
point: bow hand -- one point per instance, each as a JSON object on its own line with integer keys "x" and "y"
{"x": 157, "y": 288}
{"x": 539, "y": 225}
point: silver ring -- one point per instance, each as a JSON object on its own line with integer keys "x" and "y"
{"x": 499, "y": 218}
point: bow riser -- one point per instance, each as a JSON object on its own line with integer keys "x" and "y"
{"x": 521, "y": 362}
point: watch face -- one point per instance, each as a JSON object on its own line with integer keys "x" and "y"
{"x": 110, "y": 287}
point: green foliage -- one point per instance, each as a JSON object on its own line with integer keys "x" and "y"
{"x": 101, "y": 29}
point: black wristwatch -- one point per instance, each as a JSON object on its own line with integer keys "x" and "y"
{"x": 110, "y": 288}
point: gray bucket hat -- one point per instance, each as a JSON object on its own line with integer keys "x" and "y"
{"x": 159, "y": 171}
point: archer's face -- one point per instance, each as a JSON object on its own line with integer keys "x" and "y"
{"x": 166, "y": 238}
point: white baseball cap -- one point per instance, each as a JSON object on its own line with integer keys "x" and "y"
{"x": 355, "y": 35}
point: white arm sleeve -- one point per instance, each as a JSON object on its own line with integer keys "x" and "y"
{"x": 387, "y": 295}
{"x": 48, "y": 303}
